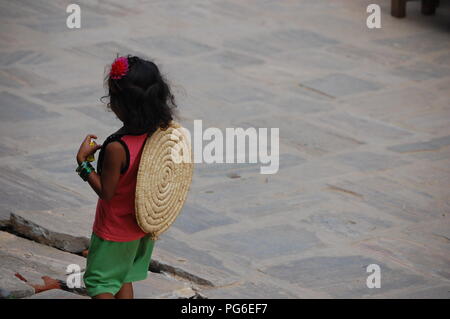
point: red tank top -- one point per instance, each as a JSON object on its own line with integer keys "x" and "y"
{"x": 115, "y": 219}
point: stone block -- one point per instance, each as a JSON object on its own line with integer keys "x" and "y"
{"x": 230, "y": 59}
{"x": 158, "y": 286}
{"x": 30, "y": 261}
{"x": 421, "y": 71}
{"x": 199, "y": 266}
{"x": 419, "y": 42}
{"x": 172, "y": 45}
{"x": 344, "y": 276}
{"x": 305, "y": 136}
{"x": 267, "y": 242}
{"x": 194, "y": 218}
{"x": 363, "y": 128}
{"x": 57, "y": 294}
{"x": 370, "y": 161}
{"x": 274, "y": 42}
{"x": 339, "y": 85}
{"x": 34, "y": 193}
{"x": 250, "y": 290}
{"x": 65, "y": 229}
{"x": 14, "y": 108}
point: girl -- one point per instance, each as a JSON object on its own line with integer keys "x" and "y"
{"x": 120, "y": 252}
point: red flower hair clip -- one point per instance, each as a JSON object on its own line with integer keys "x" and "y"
{"x": 119, "y": 68}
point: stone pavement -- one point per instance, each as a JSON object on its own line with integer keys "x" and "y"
{"x": 364, "y": 118}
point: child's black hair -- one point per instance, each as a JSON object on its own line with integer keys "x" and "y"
{"x": 141, "y": 99}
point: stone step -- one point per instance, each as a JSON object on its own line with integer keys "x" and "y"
{"x": 11, "y": 286}
{"x": 56, "y": 294}
{"x": 28, "y": 267}
{"x": 65, "y": 229}
{"x": 162, "y": 286}
{"x": 70, "y": 231}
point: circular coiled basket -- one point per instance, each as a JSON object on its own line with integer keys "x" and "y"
{"x": 164, "y": 178}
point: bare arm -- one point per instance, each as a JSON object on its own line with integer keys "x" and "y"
{"x": 114, "y": 159}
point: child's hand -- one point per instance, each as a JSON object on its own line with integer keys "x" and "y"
{"x": 86, "y": 150}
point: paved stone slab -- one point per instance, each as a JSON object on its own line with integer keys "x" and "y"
{"x": 41, "y": 8}
{"x": 9, "y": 150}
{"x": 359, "y": 53}
{"x": 27, "y": 57}
{"x": 100, "y": 113}
{"x": 233, "y": 93}
{"x": 250, "y": 290}
{"x": 106, "y": 51}
{"x": 56, "y": 294}
{"x": 114, "y": 8}
{"x": 344, "y": 276}
{"x": 298, "y": 203}
{"x": 74, "y": 74}
{"x": 34, "y": 194}
{"x": 415, "y": 254}
{"x": 237, "y": 170}
{"x": 422, "y": 71}
{"x": 267, "y": 242}
{"x": 232, "y": 10}
{"x": 76, "y": 95}
{"x": 158, "y": 286}
{"x": 15, "y": 77}
{"x": 60, "y": 164}
{"x": 420, "y": 42}
{"x": 15, "y": 108}
{"x": 391, "y": 197}
{"x": 276, "y": 41}
{"x": 300, "y": 105}
{"x": 185, "y": 76}
{"x": 60, "y": 161}
{"x": 349, "y": 224}
{"x": 363, "y": 128}
{"x": 65, "y": 229}
{"x": 339, "y": 84}
{"x": 369, "y": 161}
{"x": 436, "y": 122}
{"x": 305, "y": 136}
{"x": 442, "y": 292}
{"x": 57, "y": 23}
{"x": 314, "y": 60}
{"x": 194, "y": 218}
{"x": 12, "y": 10}
{"x": 315, "y": 170}
{"x": 70, "y": 229}
{"x": 215, "y": 196}
{"x": 10, "y": 285}
{"x": 420, "y": 247}
{"x": 173, "y": 45}
{"x": 443, "y": 59}
{"x": 373, "y": 98}
{"x": 230, "y": 59}
{"x": 430, "y": 178}
{"x": 32, "y": 261}
{"x": 338, "y": 219}
{"x": 431, "y": 145}
{"x": 199, "y": 266}
{"x": 390, "y": 105}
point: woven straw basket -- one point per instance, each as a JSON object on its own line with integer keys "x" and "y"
{"x": 163, "y": 180}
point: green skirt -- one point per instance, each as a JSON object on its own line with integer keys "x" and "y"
{"x": 111, "y": 264}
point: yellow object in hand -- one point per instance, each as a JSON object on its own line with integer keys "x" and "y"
{"x": 91, "y": 157}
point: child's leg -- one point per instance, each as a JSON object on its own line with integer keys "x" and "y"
{"x": 104, "y": 296}
{"x": 126, "y": 292}
{"x": 107, "y": 265}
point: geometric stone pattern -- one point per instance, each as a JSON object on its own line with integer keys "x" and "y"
{"x": 363, "y": 118}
